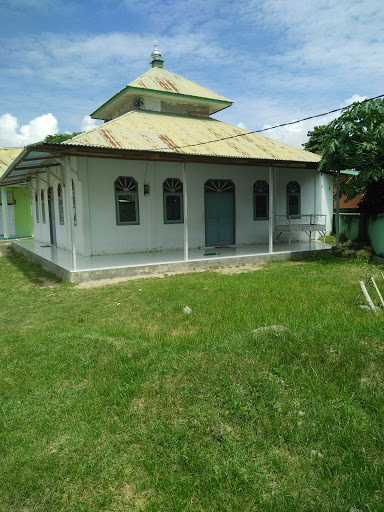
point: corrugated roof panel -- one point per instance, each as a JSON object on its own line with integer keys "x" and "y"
{"x": 153, "y": 131}
{"x": 160, "y": 79}
{"x": 7, "y": 156}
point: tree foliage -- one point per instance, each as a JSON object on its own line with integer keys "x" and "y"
{"x": 57, "y": 138}
{"x": 316, "y": 140}
{"x": 355, "y": 140}
{"x": 373, "y": 200}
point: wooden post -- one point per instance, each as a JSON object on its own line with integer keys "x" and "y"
{"x": 185, "y": 212}
{"x": 378, "y": 291}
{"x": 366, "y": 295}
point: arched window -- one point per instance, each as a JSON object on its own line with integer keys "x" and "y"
{"x": 260, "y": 200}
{"x": 74, "y": 204}
{"x": 219, "y": 186}
{"x": 173, "y": 201}
{"x": 42, "y": 206}
{"x": 127, "y": 201}
{"x": 61, "y": 203}
{"x": 293, "y": 199}
{"x": 37, "y": 207}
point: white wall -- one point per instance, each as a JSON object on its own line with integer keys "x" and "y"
{"x": 98, "y": 233}
{"x": 11, "y": 220}
{"x": 42, "y": 229}
{"x": 106, "y": 237}
{"x": 327, "y": 198}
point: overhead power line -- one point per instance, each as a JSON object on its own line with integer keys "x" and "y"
{"x": 276, "y": 126}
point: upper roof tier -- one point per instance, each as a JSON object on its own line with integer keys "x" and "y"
{"x": 189, "y": 135}
{"x": 160, "y": 90}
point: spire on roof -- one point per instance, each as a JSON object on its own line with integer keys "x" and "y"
{"x": 156, "y": 58}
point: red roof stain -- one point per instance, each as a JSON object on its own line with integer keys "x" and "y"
{"x": 216, "y": 134}
{"x": 3, "y": 162}
{"x": 141, "y": 84}
{"x": 167, "y": 85}
{"x": 248, "y": 139}
{"x": 237, "y": 149}
{"x": 108, "y": 135}
{"x": 148, "y": 139}
{"x": 169, "y": 142}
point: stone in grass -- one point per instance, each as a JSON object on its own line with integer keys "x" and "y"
{"x": 270, "y": 328}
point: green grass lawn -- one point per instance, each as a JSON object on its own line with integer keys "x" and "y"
{"x": 114, "y": 399}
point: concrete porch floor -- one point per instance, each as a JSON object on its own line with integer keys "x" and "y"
{"x": 59, "y": 261}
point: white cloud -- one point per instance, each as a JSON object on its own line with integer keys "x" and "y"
{"x": 353, "y": 99}
{"x": 296, "y": 134}
{"x": 277, "y": 60}
{"x": 87, "y": 123}
{"x": 11, "y": 134}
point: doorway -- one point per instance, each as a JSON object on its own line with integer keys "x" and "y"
{"x": 219, "y": 212}
{"x": 51, "y": 212}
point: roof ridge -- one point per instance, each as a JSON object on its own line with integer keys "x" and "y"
{"x": 146, "y": 73}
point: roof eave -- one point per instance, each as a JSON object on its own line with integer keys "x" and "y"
{"x": 59, "y": 150}
{"x": 128, "y": 88}
{"x": 8, "y": 179}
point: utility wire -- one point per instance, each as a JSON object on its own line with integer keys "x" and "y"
{"x": 276, "y": 126}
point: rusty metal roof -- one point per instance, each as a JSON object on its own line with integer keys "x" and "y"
{"x": 7, "y": 156}
{"x": 160, "y": 79}
{"x": 26, "y": 162}
{"x": 163, "y": 84}
{"x": 144, "y": 135}
{"x": 153, "y": 131}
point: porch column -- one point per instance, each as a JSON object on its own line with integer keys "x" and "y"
{"x": 185, "y": 211}
{"x": 5, "y": 212}
{"x": 337, "y": 219}
{"x": 270, "y": 213}
{"x": 70, "y": 210}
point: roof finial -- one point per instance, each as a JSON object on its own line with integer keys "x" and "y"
{"x": 156, "y": 57}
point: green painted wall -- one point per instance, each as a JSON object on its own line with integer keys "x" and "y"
{"x": 23, "y": 217}
{"x": 349, "y": 225}
{"x": 376, "y": 233}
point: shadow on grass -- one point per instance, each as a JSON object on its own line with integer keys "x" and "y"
{"x": 31, "y": 270}
{"x": 333, "y": 258}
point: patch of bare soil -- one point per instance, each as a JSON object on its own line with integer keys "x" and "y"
{"x": 237, "y": 270}
{"x": 4, "y": 249}
{"x": 45, "y": 282}
{"x": 220, "y": 270}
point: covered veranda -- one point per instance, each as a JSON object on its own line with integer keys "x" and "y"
{"x": 60, "y": 262}
{"x": 71, "y": 266}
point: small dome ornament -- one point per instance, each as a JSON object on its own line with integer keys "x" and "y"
{"x": 156, "y": 55}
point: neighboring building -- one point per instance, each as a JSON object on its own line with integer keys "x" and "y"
{"x": 351, "y": 206}
{"x": 20, "y": 223}
{"x": 161, "y": 174}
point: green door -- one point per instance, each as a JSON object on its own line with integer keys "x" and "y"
{"x": 51, "y": 213}
{"x": 219, "y": 219}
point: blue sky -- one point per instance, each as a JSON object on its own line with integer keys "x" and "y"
{"x": 278, "y": 60}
